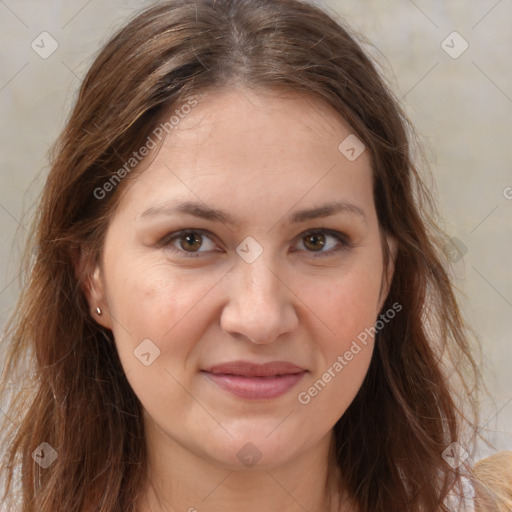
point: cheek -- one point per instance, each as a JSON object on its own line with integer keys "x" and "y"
{"x": 152, "y": 301}
{"x": 348, "y": 310}
{"x": 152, "y": 310}
{"x": 328, "y": 394}
{"x": 348, "y": 304}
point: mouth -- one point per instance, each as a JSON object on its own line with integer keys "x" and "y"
{"x": 256, "y": 381}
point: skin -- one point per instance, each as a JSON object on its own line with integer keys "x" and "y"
{"x": 260, "y": 156}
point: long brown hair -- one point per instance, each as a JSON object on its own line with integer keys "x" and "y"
{"x": 389, "y": 444}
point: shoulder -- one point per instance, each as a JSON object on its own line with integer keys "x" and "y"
{"x": 494, "y": 473}
{"x": 498, "y": 463}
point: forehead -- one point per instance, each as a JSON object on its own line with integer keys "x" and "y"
{"x": 259, "y": 147}
{"x": 246, "y": 113}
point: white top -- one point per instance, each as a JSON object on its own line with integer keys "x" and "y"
{"x": 466, "y": 503}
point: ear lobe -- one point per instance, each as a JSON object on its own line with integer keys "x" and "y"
{"x": 91, "y": 281}
{"x": 96, "y": 298}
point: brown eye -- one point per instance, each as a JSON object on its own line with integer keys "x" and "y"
{"x": 314, "y": 241}
{"x": 191, "y": 240}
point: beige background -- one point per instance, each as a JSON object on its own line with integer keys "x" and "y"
{"x": 461, "y": 106}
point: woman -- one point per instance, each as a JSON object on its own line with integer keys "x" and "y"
{"x": 238, "y": 298}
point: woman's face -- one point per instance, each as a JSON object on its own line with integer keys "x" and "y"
{"x": 265, "y": 281}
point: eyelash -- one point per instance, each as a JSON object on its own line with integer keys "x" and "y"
{"x": 344, "y": 241}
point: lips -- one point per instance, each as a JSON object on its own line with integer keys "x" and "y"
{"x": 256, "y": 381}
{"x": 247, "y": 369}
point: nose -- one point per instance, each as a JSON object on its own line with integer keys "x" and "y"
{"x": 261, "y": 306}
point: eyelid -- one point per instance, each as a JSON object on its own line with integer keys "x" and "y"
{"x": 343, "y": 239}
{"x": 170, "y": 237}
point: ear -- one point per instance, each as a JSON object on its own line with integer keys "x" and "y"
{"x": 90, "y": 276}
{"x": 388, "y": 273}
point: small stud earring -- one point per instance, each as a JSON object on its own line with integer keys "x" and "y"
{"x": 98, "y": 310}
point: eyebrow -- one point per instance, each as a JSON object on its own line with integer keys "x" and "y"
{"x": 203, "y": 211}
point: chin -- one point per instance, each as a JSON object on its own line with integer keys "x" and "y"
{"x": 256, "y": 450}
